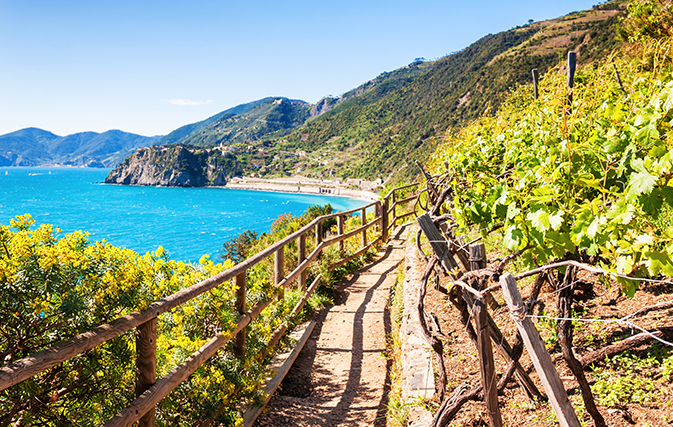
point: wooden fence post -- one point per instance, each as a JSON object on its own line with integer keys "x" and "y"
{"x": 279, "y": 268}
{"x": 302, "y": 257}
{"x": 572, "y": 63}
{"x": 363, "y": 221}
{"x": 239, "y": 343}
{"x": 340, "y": 231}
{"x": 146, "y": 364}
{"x": 384, "y": 220}
{"x": 318, "y": 237}
{"x": 536, "y": 76}
{"x": 538, "y": 354}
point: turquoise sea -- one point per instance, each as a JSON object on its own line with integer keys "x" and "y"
{"x": 187, "y": 222}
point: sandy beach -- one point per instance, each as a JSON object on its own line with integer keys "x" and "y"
{"x": 300, "y": 185}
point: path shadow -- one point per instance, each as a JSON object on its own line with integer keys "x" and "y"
{"x": 298, "y": 381}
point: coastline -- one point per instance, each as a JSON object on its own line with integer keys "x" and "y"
{"x": 302, "y": 188}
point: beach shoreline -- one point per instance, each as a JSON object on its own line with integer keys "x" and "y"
{"x": 301, "y": 188}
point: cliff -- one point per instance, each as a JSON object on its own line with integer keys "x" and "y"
{"x": 175, "y": 166}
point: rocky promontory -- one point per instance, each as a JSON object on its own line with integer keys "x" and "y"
{"x": 175, "y": 166}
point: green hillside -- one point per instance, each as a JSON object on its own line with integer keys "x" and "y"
{"x": 268, "y": 116}
{"x": 381, "y": 128}
{"x": 180, "y": 134}
{"x": 381, "y": 131}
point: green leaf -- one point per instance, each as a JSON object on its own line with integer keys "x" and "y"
{"x": 640, "y": 183}
{"x": 512, "y": 211}
{"x": 652, "y": 203}
{"x": 539, "y": 219}
{"x": 556, "y": 220}
{"x": 592, "y": 229}
{"x": 513, "y": 238}
{"x": 587, "y": 180}
{"x": 660, "y": 263}
{"x": 628, "y": 285}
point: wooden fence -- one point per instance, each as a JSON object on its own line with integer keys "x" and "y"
{"x": 149, "y": 391}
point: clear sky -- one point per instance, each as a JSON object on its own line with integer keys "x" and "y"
{"x": 149, "y": 67}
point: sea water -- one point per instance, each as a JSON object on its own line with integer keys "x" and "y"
{"x": 187, "y": 222}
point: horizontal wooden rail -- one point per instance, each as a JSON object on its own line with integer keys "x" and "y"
{"x": 161, "y": 388}
{"x": 390, "y": 193}
{"x": 29, "y": 366}
{"x": 338, "y": 238}
{"x": 403, "y": 201}
{"x": 355, "y": 255}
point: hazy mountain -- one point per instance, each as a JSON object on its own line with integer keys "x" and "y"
{"x": 36, "y": 147}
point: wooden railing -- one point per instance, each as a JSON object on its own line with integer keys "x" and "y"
{"x": 149, "y": 391}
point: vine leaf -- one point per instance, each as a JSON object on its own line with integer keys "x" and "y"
{"x": 640, "y": 183}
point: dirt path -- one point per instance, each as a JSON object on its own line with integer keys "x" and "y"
{"x": 341, "y": 378}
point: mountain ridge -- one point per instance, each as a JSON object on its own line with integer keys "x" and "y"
{"x": 38, "y": 147}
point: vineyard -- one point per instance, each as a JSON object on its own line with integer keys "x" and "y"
{"x": 566, "y": 195}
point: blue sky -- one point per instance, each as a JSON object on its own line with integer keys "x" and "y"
{"x": 149, "y": 67}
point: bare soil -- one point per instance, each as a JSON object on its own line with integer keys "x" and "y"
{"x": 596, "y": 301}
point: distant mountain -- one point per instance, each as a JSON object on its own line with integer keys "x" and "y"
{"x": 36, "y": 147}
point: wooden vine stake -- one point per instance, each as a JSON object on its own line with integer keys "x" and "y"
{"x": 538, "y": 354}
{"x": 486, "y": 362}
{"x": 536, "y": 76}
{"x": 572, "y": 63}
{"x": 438, "y": 243}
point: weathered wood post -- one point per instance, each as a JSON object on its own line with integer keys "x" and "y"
{"x": 146, "y": 364}
{"x": 363, "y": 222}
{"x": 538, "y": 354}
{"x": 340, "y": 231}
{"x": 384, "y": 220}
{"x": 302, "y": 257}
{"x": 486, "y": 363}
{"x": 393, "y": 209}
{"x": 279, "y": 269}
{"x": 572, "y": 63}
{"x": 536, "y": 76}
{"x": 438, "y": 243}
{"x": 239, "y": 341}
{"x": 318, "y": 237}
{"x": 477, "y": 256}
